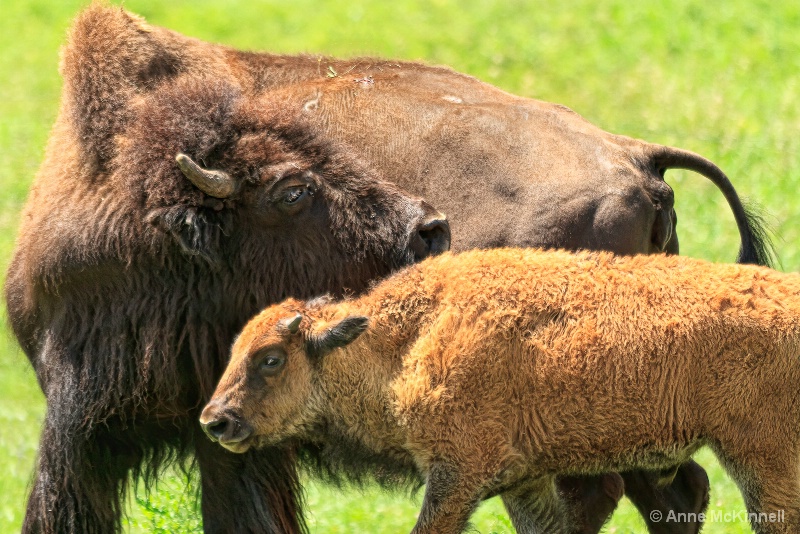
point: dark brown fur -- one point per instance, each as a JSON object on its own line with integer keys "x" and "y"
{"x": 92, "y": 255}
{"x": 548, "y": 177}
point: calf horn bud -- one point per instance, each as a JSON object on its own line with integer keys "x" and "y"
{"x": 292, "y": 324}
{"x": 217, "y": 184}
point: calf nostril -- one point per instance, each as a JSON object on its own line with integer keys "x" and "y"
{"x": 215, "y": 429}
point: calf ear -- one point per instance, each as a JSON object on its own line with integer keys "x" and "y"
{"x": 338, "y": 335}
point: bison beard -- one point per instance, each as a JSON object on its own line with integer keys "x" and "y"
{"x": 129, "y": 282}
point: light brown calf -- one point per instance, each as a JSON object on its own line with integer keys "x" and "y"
{"x": 491, "y": 372}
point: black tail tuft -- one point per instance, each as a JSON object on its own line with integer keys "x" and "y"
{"x": 758, "y": 249}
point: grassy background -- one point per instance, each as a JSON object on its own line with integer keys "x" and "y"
{"x": 722, "y": 79}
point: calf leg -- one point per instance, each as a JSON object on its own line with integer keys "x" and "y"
{"x": 538, "y": 508}
{"x": 450, "y": 498}
{"x": 770, "y": 484}
{"x": 258, "y": 491}
{"x": 685, "y": 493}
{"x": 593, "y": 499}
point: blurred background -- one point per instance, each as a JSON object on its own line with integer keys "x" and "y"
{"x": 720, "y": 79}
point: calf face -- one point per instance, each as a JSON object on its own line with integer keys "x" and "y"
{"x": 267, "y": 393}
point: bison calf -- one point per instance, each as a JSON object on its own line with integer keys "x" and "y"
{"x": 491, "y": 372}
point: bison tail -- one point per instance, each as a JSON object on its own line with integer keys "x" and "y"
{"x": 756, "y": 247}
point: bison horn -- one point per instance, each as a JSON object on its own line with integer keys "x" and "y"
{"x": 217, "y": 184}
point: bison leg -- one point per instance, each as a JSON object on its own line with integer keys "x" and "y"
{"x": 685, "y": 494}
{"x": 81, "y": 470}
{"x": 258, "y": 491}
{"x": 592, "y": 498}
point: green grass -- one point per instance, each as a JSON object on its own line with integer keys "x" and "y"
{"x": 722, "y": 79}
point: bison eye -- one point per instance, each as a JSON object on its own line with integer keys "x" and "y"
{"x": 293, "y": 195}
{"x": 272, "y": 362}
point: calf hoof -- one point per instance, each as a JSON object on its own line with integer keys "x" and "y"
{"x": 674, "y": 507}
{"x": 592, "y": 499}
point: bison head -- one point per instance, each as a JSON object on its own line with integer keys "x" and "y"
{"x": 214, "y": 205}
{"x": 226, "y": 177}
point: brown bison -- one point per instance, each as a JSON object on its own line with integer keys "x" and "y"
{"x": 129, "y": 281}
{"x": 455, "y": 369}
{"x": 129, "y": 285}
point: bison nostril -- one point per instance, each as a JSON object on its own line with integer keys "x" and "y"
{"x": 215, "y": 429}
{"x": 433, "y": 237}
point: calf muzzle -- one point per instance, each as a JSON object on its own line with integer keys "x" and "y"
{"x": 224, "y": 427}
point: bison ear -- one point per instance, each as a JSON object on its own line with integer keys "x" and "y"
{"x": 338, "y": 335}
{"x": 198, "y": 234}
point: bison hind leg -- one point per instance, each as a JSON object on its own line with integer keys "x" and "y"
{"x": 685, "y": 492}
{"x": 592, "y": 499}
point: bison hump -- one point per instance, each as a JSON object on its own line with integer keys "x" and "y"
{"x": 113, "y": 56}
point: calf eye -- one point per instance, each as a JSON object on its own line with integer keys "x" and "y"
{"x": 293, "y": 194}
{"x": 272, "y": 362}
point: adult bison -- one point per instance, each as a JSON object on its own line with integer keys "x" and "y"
{"x": 129, "y": 280}
{"x": 129, "y": 283}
